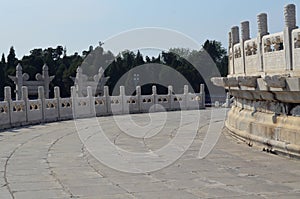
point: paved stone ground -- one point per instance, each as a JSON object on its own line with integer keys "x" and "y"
{"x": 49, "y": 161}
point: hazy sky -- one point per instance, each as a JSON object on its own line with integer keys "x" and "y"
{"x": 77, "y": 24}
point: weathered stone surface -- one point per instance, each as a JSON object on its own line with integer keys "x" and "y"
{"x": 248, "y": 81}
{"x": 49, "y": 161}
{"x": 275, "y": 81}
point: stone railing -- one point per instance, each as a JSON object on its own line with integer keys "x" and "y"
{"x": 265, "y": 54}
{"x": 264, "y": 79}
{"x": 26, "y": 111}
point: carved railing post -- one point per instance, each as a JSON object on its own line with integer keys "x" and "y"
{"x": 262, "y": 22}
{"x": 234, "y": 40}
{"x": 107, "y": 98}
{"x": 245, "y": 30}
{"x": 170, "y": 96}
{"x": 185, "y": 92}
{"x": 123, "y": 101}
{"x": 7, "y": 98}
{"x": 25, "y": 99}
{"x": 290, "y": 24}
{"x": 74, "y": 101}
{"x": 41, "y": 96}
{"x": 202, "y": 95}
{"x": 139, "y": 98}
{"x": 57, "y": 97}
{"x": 154, "y": 94}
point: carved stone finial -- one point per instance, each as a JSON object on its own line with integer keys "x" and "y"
{"x": 290, "y": 16}
{"x": 245, "y": 30}
{"x": 262, "y": 22}
{"x": 235, "y": 35}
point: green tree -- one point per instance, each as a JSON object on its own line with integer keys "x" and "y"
{"x": 218, "y": 55}
{"x": 12, "y": 61}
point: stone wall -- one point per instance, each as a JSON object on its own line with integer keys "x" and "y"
{"x": 25, "y": 111}
{"x": 264, "y": 80}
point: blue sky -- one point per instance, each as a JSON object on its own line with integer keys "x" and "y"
{"x": 77, "y": 24}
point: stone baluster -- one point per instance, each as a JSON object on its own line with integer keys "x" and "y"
{"x": 245, "y": 35}
{"x": 74, "y": 101}
{"x": 186, "y": 93}
{"x": 245, "y": 30}
{"x": 230, "y": 52}
{"x": 7, "y": 98}
{"x": 170, "y": 96}
{"x": 138, "y": 92}
{"x": 57, "y": 97}
{"x": 262, "y": 22}
{"x": 202, "y": 95}
{"x": 290, "y": 25}
{"x": 234, "y": 40}
{"x": 41, "y": 96}
{"x": 123, "y": 101}
{"x": 154, "y": 94}
{"x": 235, "y": 35}
{"x": 25, "y": 99}
{"x": 107, "y": 99}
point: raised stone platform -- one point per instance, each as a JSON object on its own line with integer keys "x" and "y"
{"x": 49, "y": 161}
{"x": 264, "y": 80}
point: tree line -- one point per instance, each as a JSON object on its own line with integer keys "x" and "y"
{"x": 64, "y": 66}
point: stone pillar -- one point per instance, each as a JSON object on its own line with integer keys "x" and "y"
{"x": 262, "y": 22}
{"x": 57, "y": 97}
{"x": 185, "y": 92}
{"x": 235, "y": 35}
{"x": 245, "y": 35}
{"x": 46, "y": 78}
{"x": 107, "y": 98}
{"x": 245, "y": 30}
{"x": 170, "y": 94}
{"x": 24, "y": 93}
{"x": 56, "y": 92}
{"x": 25, "y": 99}
{"x": 41, "y": 96}
{"x": 74, "y": 101}
{"x": 290, "y": 16}
{"x": 230, "y": 55}
{"x": 235, "y": 38}
{"x": 202, "y": 95}
{"x": 139, "y": 98}
{"x": 7, "y": 98}
{"x": 154, "y": 94}
{"x": 290, "y": 25}
{"x": 123, "y": 101}
{"x": 19, "y": 82}
{"x": 7, "y": 94}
